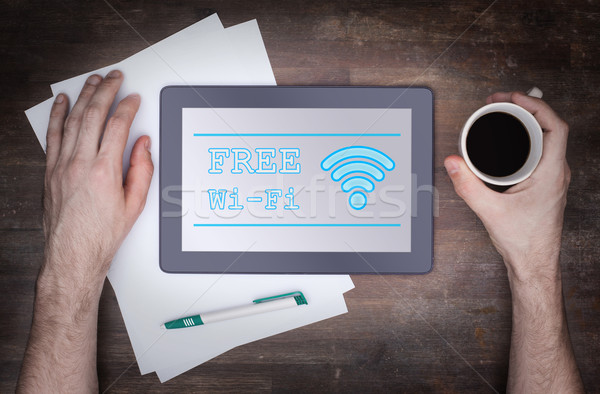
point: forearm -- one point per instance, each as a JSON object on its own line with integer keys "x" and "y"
{"x": 541, "y": 356}
{"x": 61, "y": 353}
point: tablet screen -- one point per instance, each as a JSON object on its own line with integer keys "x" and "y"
{"x": 296, "y": 179}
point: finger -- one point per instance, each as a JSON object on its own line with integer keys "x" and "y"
{"x": 94, "y": 114}
{"x": 73, "y": 121}
{"x": 139, "y": 175}
{"x": 58, "y": 113}
{"x": 117, "y": 128}
{"x": 501, "y": 97}
{"x": 556, "y": 131}
{"x": 470, "y": 188}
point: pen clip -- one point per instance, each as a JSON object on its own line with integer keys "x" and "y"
{"x": 298, "y": 296}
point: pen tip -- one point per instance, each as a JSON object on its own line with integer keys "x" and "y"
{"x": 162, "y": 326}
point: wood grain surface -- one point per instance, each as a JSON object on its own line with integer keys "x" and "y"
{"x": 447, "y": 331}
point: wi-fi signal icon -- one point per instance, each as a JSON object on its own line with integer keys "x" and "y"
{"x": 356, "y": 165}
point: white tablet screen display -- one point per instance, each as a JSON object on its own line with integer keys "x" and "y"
{"x": 296, "y": 179}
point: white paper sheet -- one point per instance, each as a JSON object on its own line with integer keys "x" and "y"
{"x": 335, "y": 304}
{"x": 197, "y": 345}
{"x": 202, "y": 54}
{"x": 249, "y": 48}
{"x": 38, "y": 117}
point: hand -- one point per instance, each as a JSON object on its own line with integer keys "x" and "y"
{"x": 88, "y": 210}
{"x": 525, "y": 222}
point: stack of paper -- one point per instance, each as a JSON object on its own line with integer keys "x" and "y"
{"x": 202, "y": 54}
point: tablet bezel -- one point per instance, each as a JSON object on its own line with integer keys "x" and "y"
{"x": 174, "y": 98}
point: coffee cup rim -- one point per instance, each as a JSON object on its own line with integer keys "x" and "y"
{"x": 531, "y": 126}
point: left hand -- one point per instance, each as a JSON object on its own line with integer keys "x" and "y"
{"x": 88, "y": 209}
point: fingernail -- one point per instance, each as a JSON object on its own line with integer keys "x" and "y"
{"x": 148, "y": 144}
{"x": 59, "y": 99}
{"x": 94, "y": 80}
{"x": 135, "y": 96}
{"x": 114, "y": 74}
{"x": 451, "y": 167}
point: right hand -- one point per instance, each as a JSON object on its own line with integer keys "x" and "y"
{"x": 525, "y": 222}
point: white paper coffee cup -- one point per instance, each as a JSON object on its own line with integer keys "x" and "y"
{"x": 535, "y": 137}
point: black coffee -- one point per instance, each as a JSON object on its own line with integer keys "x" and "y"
{"x": 498, "y": 144}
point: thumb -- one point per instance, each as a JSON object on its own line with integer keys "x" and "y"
{"x": 139, "y": 175}
{"x": 466, "y": 184}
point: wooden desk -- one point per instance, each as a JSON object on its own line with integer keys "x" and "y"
{"x": 447, "y": 331}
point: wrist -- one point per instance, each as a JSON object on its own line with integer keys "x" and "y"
{"x": 73, "y": 268}
{"x": 535, "y": 284}
{"x": 62, "y": 306}
{"x": 68, "y": 283}
{"x": 532, "y": 268}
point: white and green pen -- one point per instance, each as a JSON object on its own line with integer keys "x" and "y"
{"x": 262, "y": 305}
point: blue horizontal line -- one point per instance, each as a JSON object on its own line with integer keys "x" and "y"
{"x": 296, "y": 134}
{"x": 296, "y": 225}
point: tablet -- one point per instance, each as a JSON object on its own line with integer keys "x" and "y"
{"x": 296, "y": 179}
